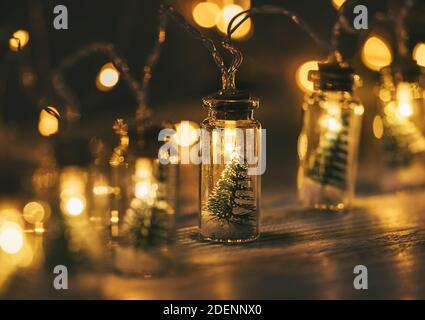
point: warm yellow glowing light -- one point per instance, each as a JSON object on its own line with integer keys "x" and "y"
{"x": 226, "y": 15}
{"x": 333, "y": 108}
{"x": 359, "y": 110}
{"x": 108, "y": 77}
{"x": 230, "y": 140}
{"x": 419, "y": 54}
{"x": 144, "y": 187}
{"x": 376, "y": 53}
{"x": 206, "y": 14}
{"x": 75, "y": 206}
{"x": 405, "y": 110}
{"x": 302, "y": 146}
{"x": 115, "y": 216}
{"x": 404, "y": 99}
{"x": 378, "y": 127}
{"x": 302, "y": 76}
{"x": 385, "y": 95}
{"x": 39, "y": 228}
{"x": 144, "y": 169}
{"x": 19, "y": 40}
{"x": 331, "y": 123}
{"x": 186, "y": 133}
{"x": 11, "y": 238}
{"x": 34, "y": 212}
{"x": 48, "y": 124}
{"x": 73, "y": 183}
{"x": 142, "y": 190}
{"x": 102, "y": 190}
{"x": 338, "y": 3}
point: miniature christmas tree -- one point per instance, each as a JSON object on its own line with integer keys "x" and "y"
{"x": 232, "y": 200}
{"x": 329, "y": 162}
{"x": 402, "y": 140}
{"x": 146, "y": 225}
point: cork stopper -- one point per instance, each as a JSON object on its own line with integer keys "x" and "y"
{"x": 231, "y": 100}
{"x": 333, "y": 76}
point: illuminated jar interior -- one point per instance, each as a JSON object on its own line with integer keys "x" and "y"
{"x": 328, "y": 143}
{"x": 400, "y": 124}
{"x": 74, "y": 160}
{"x": 230, "y": 147}
{"x": 150, "y": 197}
{"x": 402, "y": 114}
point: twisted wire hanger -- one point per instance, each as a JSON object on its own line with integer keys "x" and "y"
{"x": 265, "y": 9}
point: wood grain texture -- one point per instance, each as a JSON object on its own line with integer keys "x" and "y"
{"x": 301, "y": 254}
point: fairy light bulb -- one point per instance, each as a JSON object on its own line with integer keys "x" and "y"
{"x": 144, "y": 188}
{"x": 186, "y": 133}
{"x": 404, "y": 100}
{"x": 226, "y": 15}
{"x": 19, "y": 40}
{"x": 48, "y": 124}
{"x": 376, "y": 53}
{"x": 331, "y": 123}
{"x": 206, "y": 14}
{"x": 419, "y": 54}
{"x": 75, "y": 206}
{"x": 108, "y": 77}
{"x": 34, "y": 213}
{"x": 230, "y": 149}
{"x": 303, "y": 82}
{"x": 338, "y": 3}
{"x": 72, "y": 191}
{"x": 11, "y": 238}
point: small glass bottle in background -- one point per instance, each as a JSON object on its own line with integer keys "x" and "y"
{"x": 400, "y": 125}
{"x": 143, "y": 218}
{"x": 74, "y": 159}
{"x": 150, "y": 193}
{"x": 229, "y": 193}
{"x": 328, "y": 143}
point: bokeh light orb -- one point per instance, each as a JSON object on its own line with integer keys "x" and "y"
{"x": 187, "y": 133}
{"x": 226, "y": 15}
{"x": 419, "y": 54}
{"x": 34, "y": 212}
{"x": 19, "y": 40}
{"x": 206, "y": 14}
{"x": 48, "y": 124}
{"x": 376, "y": 53}
{"x": 75, "y": 206}
{"x": 11, "y": 238}
{"x": 338, "y": 3}
{"x": 302, "y": 75}
{"x": 108, "y": 77}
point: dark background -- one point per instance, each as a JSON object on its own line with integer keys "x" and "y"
{"x": 184, "y": 75}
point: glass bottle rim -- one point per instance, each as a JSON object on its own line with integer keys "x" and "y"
{"x": 241, "y": 101}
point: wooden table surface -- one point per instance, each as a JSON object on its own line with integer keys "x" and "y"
{"x": 300, "y": 254}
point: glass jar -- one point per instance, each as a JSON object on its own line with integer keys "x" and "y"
{"x": 142, "y": 219}
{"x": 149, "y": 193}
{"x": 230, "y": 182}
{"x": 75, "y": 200}
{"x": 149, "y": 218}
{"x": 328, "y": 143}
{"x": 400, "y": 128}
